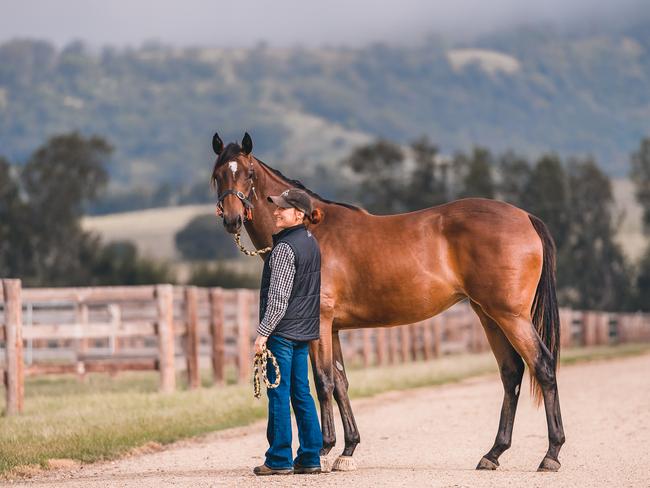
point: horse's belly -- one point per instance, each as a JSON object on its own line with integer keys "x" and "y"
{"x": 395, "y": 306}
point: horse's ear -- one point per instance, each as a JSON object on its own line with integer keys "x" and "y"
{"x": 217, "y": 144}
{"x": 316, "y": 216}
{"x": 247, "y": 144}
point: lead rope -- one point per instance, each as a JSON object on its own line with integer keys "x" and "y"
{"x": 246, "y": 251}
{"x": 260, "y": 363}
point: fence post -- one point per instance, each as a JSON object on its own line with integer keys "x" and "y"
{"x": 603, "y": 328}
{"x": 624, "y": 321}
{"x": 81, "y": 344}
{"x": 406, "y": 340}
{"x": 414, "y": 338}
{"x": 243, "y": 335}
{"x": 216, "y": 329}
{"x": 589, "y": 325}
{"x": 81, "y": 311}
{"x": 477, "y": 334}
{"x": 115, "y": 313}
{"x": 426, "y": 338}
{"x": 566, "y": 318}
{"x": 192, "y": 337}
{"x": 393, "y": 357}
{"x": 165, "y": 331}
{"x": 436, "y": 325}
{"x": 14, "y": 374}
{"x": 353, "y": 346}
{"x": 366, "y": 347}
{"x": 381, "y": 346}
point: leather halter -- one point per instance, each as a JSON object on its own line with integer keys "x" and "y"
{"x": 245, "y": 200}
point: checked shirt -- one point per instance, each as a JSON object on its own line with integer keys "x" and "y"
{"x": 283, "y": 269}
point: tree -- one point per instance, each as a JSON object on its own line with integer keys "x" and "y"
{"x": 515, "y": 173}
{"x": 640, "y": 174}
{"x": 380, "y": 167}
{"x": 65, "y": 173}
{"x": 14, "y": 251}
{"x": 546, "y": 195}
{"x": 389, "y": 184}
{"x": 642, "y": 283}
{"x": 204, "y": 238}
{"x": 218, "y": 274}
{"x": 428, "y": 181}
{"x": 118, "y": 263}
{"x": 594, "y": 272}
{"x": 59, "y": 178}
{"x": 474, "y": 174}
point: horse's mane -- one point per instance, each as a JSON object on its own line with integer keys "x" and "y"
{"x": 298, "y": 184}
{"x": 233, "y": 149}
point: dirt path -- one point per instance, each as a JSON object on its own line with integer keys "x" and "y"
{"x": 433, "y": 437}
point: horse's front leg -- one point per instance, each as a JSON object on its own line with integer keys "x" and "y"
{"x": 345, "y": 462}
{"x": 320, "y": 353}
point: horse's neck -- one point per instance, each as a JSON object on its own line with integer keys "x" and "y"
{"x": 263, "y": 227}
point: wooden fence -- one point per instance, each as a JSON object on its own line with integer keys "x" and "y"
{"x": 169, "y": 328}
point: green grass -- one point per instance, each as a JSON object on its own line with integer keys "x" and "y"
{"x": 104, "y": 417}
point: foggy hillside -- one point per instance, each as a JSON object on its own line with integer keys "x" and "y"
{"x": 530, "y": 89}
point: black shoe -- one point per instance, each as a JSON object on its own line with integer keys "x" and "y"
{"x": 298, "y": 469}
{"x": 264, "y": 470}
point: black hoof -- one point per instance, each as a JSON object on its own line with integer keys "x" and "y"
{"x": 485, "y": 463}
{"x": 549, "y": 465}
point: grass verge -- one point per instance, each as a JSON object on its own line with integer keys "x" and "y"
{"x": 104, "y": 418}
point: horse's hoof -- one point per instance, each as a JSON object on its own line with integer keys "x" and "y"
{"x": 549, "y": 465}
{"x": 485, "y": 463}
{"x": 326, "y": 464}
{"x": 344, "y": 463}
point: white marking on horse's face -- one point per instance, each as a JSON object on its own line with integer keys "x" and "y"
{"x": 516, "y": 390}
{"x": 233, "y": 167}
{"x": 339, "y": 366}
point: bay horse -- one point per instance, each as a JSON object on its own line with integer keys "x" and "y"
{"x": 388, "y": 270}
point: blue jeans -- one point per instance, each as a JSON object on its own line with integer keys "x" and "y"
{"x": 294, "y": 385}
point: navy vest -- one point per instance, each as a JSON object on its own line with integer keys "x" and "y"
{"x": 301, "y": 321}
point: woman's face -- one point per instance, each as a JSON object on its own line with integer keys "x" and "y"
{"x": 287, "y": 217}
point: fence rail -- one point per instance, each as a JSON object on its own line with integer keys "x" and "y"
{"x": 167, "y": 328}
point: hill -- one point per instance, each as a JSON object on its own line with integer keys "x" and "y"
{"x": 532, "y": 90}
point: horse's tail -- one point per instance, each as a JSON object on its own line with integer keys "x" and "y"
{"x": 544, "y": 311}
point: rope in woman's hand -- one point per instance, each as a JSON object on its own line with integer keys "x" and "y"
{"x": 260, "y": 362}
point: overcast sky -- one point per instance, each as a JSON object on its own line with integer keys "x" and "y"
{"x": 286, "y": 22}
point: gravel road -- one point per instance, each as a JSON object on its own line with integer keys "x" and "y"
{"x": 430, "y": 437}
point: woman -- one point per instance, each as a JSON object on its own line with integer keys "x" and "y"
{"x": 289, "y": 319}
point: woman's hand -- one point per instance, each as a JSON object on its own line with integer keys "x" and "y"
{"x": 260, "y": 343}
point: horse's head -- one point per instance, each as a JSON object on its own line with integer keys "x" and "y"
{"x": 233, "y": 177}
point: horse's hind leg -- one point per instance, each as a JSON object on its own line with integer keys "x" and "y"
{"x": 526, "y": 341}
{"x": 320, "y": 353}
{"x": 344, "y": 462}
{"x": 511, "y": 368}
